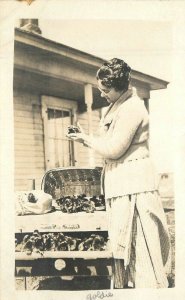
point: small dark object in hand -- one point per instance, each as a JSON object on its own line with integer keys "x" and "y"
{"x": 73, "y": 129}
{"x": 31, "y": 198}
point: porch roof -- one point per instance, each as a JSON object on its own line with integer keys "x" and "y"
{"x": 60, "y": 51}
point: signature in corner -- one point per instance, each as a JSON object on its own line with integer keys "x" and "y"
{"x": 99, "y": 295}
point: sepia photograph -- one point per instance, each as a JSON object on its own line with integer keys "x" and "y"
{"x": 93, "y": 211}
{"x": 93, "y": 131}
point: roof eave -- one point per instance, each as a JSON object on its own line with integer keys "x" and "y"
{"x": 36, "y": 40}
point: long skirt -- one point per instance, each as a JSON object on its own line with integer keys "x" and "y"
{"x": 139, "y": 241}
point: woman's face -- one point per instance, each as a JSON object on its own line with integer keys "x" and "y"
{"x": 109, "y": 93}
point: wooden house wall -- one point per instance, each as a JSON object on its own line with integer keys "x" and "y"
{"x": 29, "y": 141}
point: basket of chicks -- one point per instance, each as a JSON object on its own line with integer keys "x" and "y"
{"x": 45, "y": 244}
{"x": 81, "y": 203}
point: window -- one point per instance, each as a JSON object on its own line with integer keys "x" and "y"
{"x": 57, "y": 115}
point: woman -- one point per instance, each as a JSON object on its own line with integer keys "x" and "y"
{"x": 137, "y": 227}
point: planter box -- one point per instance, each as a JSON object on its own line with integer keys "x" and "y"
{"x": 49, "y": 266}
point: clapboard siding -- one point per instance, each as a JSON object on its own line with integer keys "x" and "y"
{"x": 21, "y": 120}
{"x": 28, "y": 133}
{"x": 28, "y": 152}
{"x": 28, "y": 125}
{"x": 27, "y": 114}
{"x": 23, "y": 185}
{"x": 28, "y": 159}
{"x": 28, "y": 172}
{"x": 37, "y": 148}
{"x": 27, "y": 107}
{"x": 28, "y": 139}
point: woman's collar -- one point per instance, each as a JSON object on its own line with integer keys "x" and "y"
{"x": 126, "y": 95}
{"x": 123, "y": 97}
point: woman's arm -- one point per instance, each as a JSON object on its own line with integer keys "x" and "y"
{"x": 126, "y": 125}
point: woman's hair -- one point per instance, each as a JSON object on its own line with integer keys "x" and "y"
{"x": 115, "y": 73}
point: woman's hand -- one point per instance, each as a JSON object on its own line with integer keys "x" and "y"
{"x": 79, "y": 136}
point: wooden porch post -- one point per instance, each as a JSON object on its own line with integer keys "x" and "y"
{"x": 89, "y": 101}
{"x": 146, "y": 101}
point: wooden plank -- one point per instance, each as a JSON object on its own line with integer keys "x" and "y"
{"x": 29, "y": 152}
{"x": 21, "y": 181}
{"x": 82, "y": 163}
{"x": 27, "y": 114}
{"x": 82, "y": 155}
{"x": 26, "y": 98}
{"x": 23, "y": 137}
{"x": 27, "y": 181}
{"x": 24, "y": 164}
{"x": 27, "y": 184}
{"x": 29, "y": 172}
{"x": 28, "y": 107}
{"x": 28, "y": 125}
{"x": 22, "y": 99}
{"x": 62, "y": 222}
{"x": 28, "y": 169}
{"x": 26, "y": 147}
{"x": 28, "y": 139}
{"x": 21, "y": 187}
{"x": 84, "y": 160}
{"x": 29, "y": 159}
{"x": 64, "y": 254}
{"x": 28, "y": 131}
{"x": 22, "y": 120}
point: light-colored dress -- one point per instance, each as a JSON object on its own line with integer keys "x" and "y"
{"x": 137, "y": 225}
